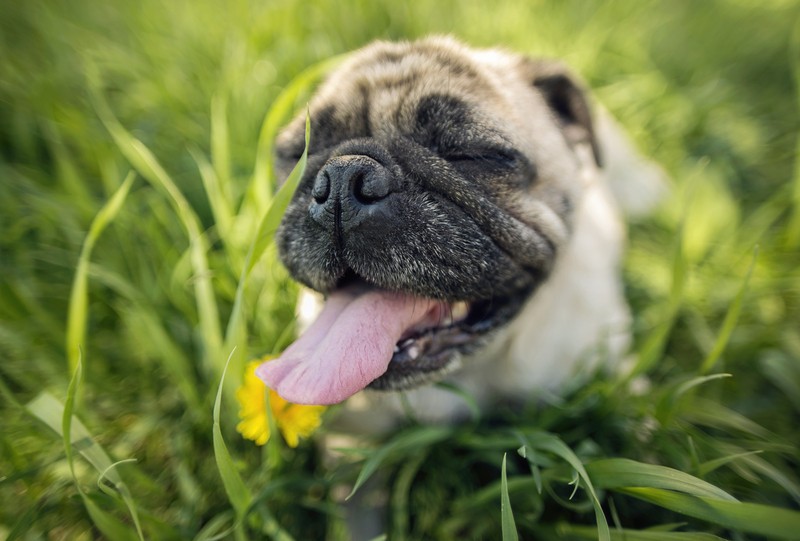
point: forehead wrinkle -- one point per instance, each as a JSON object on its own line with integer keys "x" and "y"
{"x": 400, "y": 101}
{"x": 397, "y": 82}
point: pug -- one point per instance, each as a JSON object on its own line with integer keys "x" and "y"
{"x": 457, "y": 216}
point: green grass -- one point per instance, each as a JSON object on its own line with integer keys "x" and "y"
{"x": 135, "y": 186}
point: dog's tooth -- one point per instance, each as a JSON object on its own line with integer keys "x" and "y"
{"x": 413, "y": 352}
{"x": 459, "y": 310}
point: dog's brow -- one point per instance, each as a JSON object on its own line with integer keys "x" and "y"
{"x": 366, "y": 127}
{"x": 438, "y": 110}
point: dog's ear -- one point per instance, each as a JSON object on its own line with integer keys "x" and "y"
{"x": 568, "y": 100}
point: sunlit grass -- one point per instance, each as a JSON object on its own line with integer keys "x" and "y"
{"x": 135, "y": 197}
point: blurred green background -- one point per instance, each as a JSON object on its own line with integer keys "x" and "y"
{"x": 707, "y": 89}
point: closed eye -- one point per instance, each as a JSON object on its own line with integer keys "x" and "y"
{"x": 490, "y": 157}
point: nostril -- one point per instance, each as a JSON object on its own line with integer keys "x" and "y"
{"x": 322, "y": 187}
{"x": 370, "y": 186}
{"x": 360, "y": 190}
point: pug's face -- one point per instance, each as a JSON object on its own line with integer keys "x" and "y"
{"x": 440, "y": 185}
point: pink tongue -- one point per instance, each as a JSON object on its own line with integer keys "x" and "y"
{"x": 349, "y": 345}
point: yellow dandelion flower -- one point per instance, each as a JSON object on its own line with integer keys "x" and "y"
{"x": 295, "y": 421}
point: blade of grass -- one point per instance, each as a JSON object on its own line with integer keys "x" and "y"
{"x": 108, "y": 525}
{"x": 783, "y": 478}
{"x": 686, "y": 386}
{"x": 272, "y": 450}
{"x": 707, "y": 467}
{"x": 534, "y": 464}
{"x": 262, "y": 183}
{"x": 488, "y": 495}
{"x": 784, "y": 372}
{"x": 49, "y": 410}
{"x": 220, "y": 152}
{"x": 264, "y": 237}
{"x": 237, "y": 492}
{"x": 469, "y": 399}
{"x": 400, "y": 494}
{"x": 509, "y": 528}
{"x": 729, "y": 323}
{"x": 543, "y": 441}
{"x": 213, "y": 530}
{"x": 668, "y": 403}
{"x": 284, "y": 338}
{"x": 586, "y": 532}
{"x": 272, "y": 219}
{"x": 793, "y": 228}
{"x": 68, "y": 171}
{"x": 149, "y": 168}
{"x": 410, "y": 440}
{"x": 175, "y": 361}
{"x": 669, "y": 527}
{"x": 105, "y": 522}
{"x": 614, "y": 473}
{"x": 653, "y": 346}
{"x": 23, "y": 525}
{"x": 221, "y": 207}
{"x": 754, "y": 518}
{"x": 713, "y": 414}
{"x": 77, "y": 312}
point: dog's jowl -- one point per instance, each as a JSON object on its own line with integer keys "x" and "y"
{"x": 456, "y": 215}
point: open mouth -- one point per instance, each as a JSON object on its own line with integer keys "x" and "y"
{"x": 429, "y": 348}
{"x": 432, "y": 349}
{"x": 449, "y": 331}
{"x": 369, "y": 337}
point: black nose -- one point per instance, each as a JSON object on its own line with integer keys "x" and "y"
{"x": 349, "y": 190}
